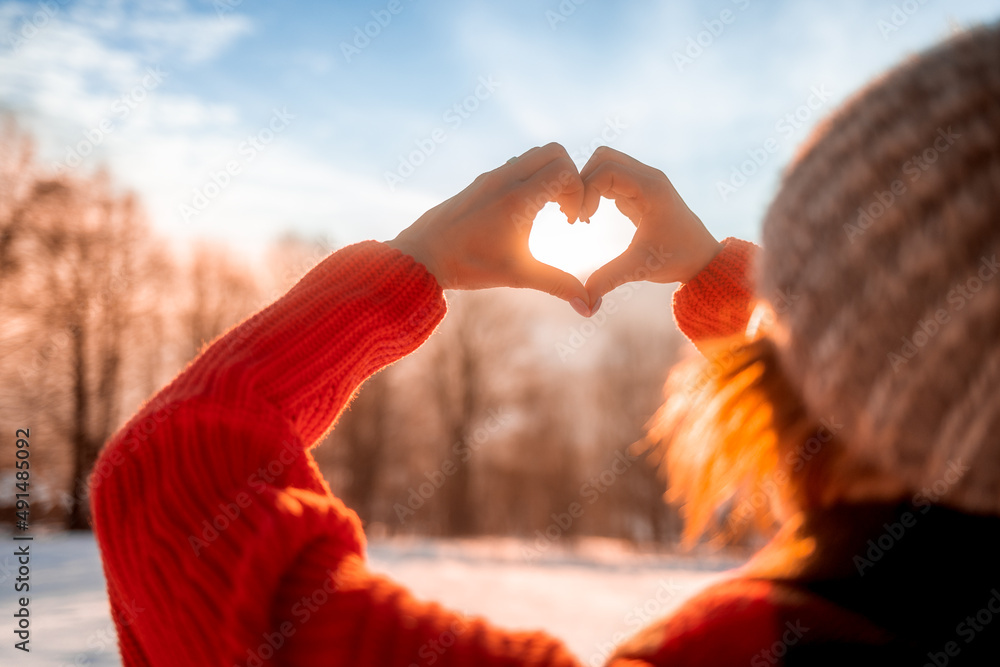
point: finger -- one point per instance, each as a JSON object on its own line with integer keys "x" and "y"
{"x": 618, "y": 271}
{"x": 529, "y": 162}
{"x": 544, "y": 278}
{"x": 591, "y": 201}
{"x": 560, "y": 182}
{"x": 629, "y": 209}
{"x": 591, "y": 197}
{"x": 612, "y": 180}
{"x": 605, "y": 154}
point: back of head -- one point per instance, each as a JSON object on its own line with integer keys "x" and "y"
{"x": 884, "y": 239}
{"x": 878, "y": 377}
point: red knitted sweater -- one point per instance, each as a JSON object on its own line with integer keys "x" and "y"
{"x": 221, "y": 542}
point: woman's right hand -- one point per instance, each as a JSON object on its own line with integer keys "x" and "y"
{"x": 670, "y": 244}
{"x": 479, "y": 237}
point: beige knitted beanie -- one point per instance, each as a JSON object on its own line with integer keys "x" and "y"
{"x": 884, "y": 241}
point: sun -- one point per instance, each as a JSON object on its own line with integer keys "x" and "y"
{"x": 579, "y": 248}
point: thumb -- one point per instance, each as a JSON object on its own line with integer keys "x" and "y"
{"x": 618, "y": 271}
{"x": 556, "y": 282}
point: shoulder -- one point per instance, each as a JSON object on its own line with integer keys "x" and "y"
{"x": 747, "y": 621}
{"x": 726, "y": 622}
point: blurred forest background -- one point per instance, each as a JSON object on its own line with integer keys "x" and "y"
{"x": 514, "y": 410}
{"x": 345, "y": 121}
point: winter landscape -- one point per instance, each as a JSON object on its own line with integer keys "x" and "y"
{"x": 590, "y": 597}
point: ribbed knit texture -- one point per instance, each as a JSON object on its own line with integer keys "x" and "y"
{"x": 221, "y": 542}
{"x": 718, "y": 301}
{"x": 886, "y": 233}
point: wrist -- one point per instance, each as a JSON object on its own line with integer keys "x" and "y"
{"x": 703, "y": 252}
{"x": 408, "y": 245}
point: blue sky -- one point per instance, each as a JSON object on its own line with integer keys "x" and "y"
{"x": 240, "y": 120}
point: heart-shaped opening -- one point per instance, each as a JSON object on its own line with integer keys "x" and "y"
{"x": 580, "y": 248}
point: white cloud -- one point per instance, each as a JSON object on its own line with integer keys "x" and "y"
{"x": 194, "y": 38}
{"x": 556, "y": 85}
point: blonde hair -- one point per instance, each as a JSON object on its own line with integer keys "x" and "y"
{"x": 733, "y": 432}
{"x": 881, "y": 337}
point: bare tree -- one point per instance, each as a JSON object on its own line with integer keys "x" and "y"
{"x": 291, "y": 256}
{"x": 97, "y": 315}
{"x": 465, "y": 372}
{"x": 85, "y": 246}
{"x": 76, "y": 258}
{"x": 363, "y": 433}
{"x": 534, "y": 474}
{"x": 220, "y": 292}
{"x": 629, "y": 381}
{"x": 16, "y": 192}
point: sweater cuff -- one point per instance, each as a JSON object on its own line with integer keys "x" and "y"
{"x": 718, "y": 301}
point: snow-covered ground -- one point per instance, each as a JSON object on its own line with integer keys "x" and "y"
{"x": 589, "y": 597}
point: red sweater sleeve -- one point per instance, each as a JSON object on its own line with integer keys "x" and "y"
{"x": 719, "y": 300}
{"x": 221, "y": 542}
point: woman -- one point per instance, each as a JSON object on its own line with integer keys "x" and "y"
{"x": 222, "y": 544}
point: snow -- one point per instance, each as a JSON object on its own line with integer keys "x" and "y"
{"x": 591, "y": 597}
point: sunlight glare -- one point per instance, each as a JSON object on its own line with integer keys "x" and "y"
{"x": 580, "y": 248}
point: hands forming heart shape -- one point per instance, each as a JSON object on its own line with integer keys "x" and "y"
{"x": 479, "y": 237}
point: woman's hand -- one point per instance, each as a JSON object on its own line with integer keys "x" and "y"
{"x": 670, "y": 244}
{"x": 479, "y": 237}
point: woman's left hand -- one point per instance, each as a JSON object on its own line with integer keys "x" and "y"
{"x": 479, "y": 237}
